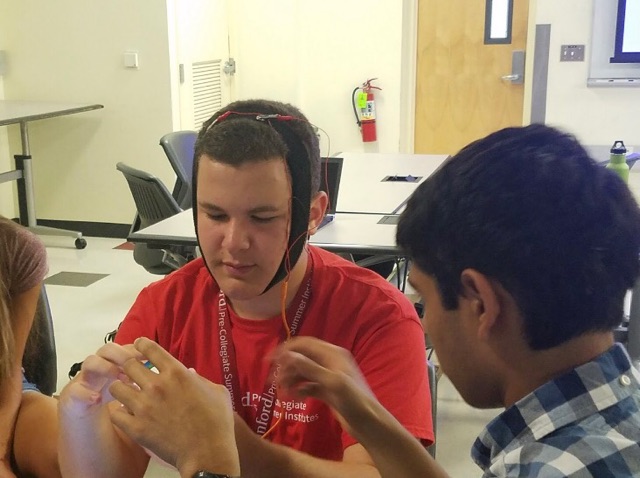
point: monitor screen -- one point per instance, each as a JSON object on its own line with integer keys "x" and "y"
{"x": 627, "y": 45}
{"x": 330, "y": 173}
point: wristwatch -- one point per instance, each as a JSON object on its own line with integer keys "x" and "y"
{"x": 208, "y": 474}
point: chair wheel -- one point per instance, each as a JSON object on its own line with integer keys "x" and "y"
{"x": 81, "y": 243}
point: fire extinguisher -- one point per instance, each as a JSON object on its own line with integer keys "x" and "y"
{"x": 363, "y": 101}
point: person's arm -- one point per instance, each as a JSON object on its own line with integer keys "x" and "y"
{"x": 89, "y": 444}
{"x": 22, "y": 310}
{"x": 180, "y": 416}
{"x": 261, "y": 458}
{"x": 188, "y": 422}
{"x": 35, "y": 442}
{"x": 312, "y": 368}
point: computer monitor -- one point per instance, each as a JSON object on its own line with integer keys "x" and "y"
{"x": 627, "y": 42}
{"x": 330, "y": 173}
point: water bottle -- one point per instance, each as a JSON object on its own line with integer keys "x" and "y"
{"x": 618, "y": 160}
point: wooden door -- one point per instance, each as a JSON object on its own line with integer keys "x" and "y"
{"x": 460, "y": 93}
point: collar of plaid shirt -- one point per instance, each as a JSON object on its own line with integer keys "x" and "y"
{"x": 584, "y": 422}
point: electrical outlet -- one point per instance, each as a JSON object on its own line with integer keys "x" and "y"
{"x": 572, "y": 53}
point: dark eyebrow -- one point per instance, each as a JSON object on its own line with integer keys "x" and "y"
{"x": 210, "y": 207}
{"x": 264, "y": 209}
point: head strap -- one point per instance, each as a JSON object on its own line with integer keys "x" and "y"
{"x": 298, "y": 166}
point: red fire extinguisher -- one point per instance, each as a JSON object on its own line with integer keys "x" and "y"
{"x": 364, "y": 102}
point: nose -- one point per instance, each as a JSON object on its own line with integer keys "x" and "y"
{"x": 236, "y": 237}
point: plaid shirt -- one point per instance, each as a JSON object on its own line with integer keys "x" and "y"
{"x": 585, "y": 423}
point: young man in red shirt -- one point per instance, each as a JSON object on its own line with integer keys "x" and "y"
{"x": 256, "y": 200}
{"x": 523, "y": 249}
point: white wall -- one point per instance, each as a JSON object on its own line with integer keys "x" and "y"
{"x": 7, "y": 190}
{"x": 594, "y": 115}
{"x": 309, "y": 53}
{"x": 313, "y": 54}
{"x": 71, "y": 51}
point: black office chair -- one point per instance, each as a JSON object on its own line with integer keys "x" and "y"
{"x": 40, "y": 358}
{"x": 154, "y": 202}
{"x": 628, "y": 333}
{"x": 433, "y": 387}
{"x": 179, "y": 148}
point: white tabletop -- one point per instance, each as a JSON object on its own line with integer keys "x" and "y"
{"x": 634, "y": 182}
{"x": 362, "y": 189}
{"x": 177, "y": 230}
{"x": 14, "y": 111}
{"x": 356, "y": 233}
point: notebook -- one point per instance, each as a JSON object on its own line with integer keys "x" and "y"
{"x": 330, "y": 173}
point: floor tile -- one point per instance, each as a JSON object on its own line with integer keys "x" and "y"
{"x": 74, "y": 279}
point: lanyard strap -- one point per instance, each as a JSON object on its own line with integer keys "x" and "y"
{"x": 229, "y": 366}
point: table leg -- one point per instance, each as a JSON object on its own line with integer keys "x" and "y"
{"x": 26, "y": 199}
{"x": 27, "y": 176}
{"x": 23, "y": 202}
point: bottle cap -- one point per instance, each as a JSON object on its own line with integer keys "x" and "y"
{"x": 618, "y": 148}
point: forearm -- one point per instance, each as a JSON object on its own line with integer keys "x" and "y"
{"x": 216, "y": 454}
{"x": 395, "y": 452}
{"x": 222, "y": 460}
{"x": 261, "y": 458}
{"x": 91, "y": 446}
{"x": 22, "y": 311}
{"x": 10, "y": 396}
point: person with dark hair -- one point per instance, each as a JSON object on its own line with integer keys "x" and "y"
{"x": 523, "y": 249}
{"x": 27, "y": 417}
{"x": 258, "y": 283}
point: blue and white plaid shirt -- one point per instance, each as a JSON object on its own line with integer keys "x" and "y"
{"x": 585, "y": 423}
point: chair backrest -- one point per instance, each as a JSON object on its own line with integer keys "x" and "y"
{"x": 433, "y": 388}
{"x": 40, "y": 359}
{"x": 153, "y": 200}
{"x": 633, "y": 330}
{"x": 179, "y": 147}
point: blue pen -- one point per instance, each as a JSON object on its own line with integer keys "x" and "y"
{"x": 150, "y": 366}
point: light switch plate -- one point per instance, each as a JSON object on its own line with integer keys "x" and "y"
{"x": 572, "y": 53}
{"x": 130, "y": 59}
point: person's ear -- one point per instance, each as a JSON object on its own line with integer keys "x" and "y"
{"x": 483, "y": 298}
{"x": 317, "y": 210}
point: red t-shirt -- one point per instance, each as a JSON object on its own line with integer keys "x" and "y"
{"x": 349, "y": 306}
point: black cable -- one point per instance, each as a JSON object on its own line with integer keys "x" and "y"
{"x": 353, "y": 103}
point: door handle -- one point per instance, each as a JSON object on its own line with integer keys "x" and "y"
{"x": 517, "y": 68}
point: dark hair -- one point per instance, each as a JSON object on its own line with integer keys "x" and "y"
{"x": 530, "y": 209}
{"x": 239, "y": 139}
{"x": 259, "y": 130}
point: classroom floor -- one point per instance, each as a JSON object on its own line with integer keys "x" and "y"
{"x": 91, "y": 290}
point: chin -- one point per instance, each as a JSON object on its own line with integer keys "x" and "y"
{"x": 480, "y": 395}
{"x": 474, "y": 391}
{"x": 235, "y": 291}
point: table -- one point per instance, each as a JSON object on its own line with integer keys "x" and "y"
{"x": 22, "y": 112}
{"x": 362, "y": 189}
{"x": 363, "y": 234}
{"x": 350, "y": 233}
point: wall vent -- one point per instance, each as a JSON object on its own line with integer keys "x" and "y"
{"x": 207, "y": 90}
